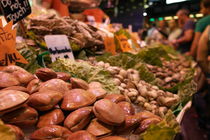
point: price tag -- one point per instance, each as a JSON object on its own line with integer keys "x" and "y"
{"x": 8, "y": 53}
{"x": 110, "y": 45}
{"x": 123, "y": 41}
{"x": 59, "y": 47}
{"x": 15, "y": 10}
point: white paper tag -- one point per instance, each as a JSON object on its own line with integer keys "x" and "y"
{"x": 59, "y": 47}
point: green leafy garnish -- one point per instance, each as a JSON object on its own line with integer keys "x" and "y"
{"x": 85, "y": 71}
{"x": 165, "y": 130}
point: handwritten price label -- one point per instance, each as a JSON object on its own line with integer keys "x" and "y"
{"x": 59, "y": 47}
{"x": 124, "y": 45}
{"x": 8, "y": 54}
{"x": 110, "y": 45}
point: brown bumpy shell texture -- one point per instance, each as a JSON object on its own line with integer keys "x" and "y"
{"x": 81, "y": 135}
{"x": 108, "y": 112}
{"x": 78, "y": 119}
{"x": 45, "y": 100}
{"x": 51, "y": 132}
{"x": 53, "y": 117}
{"x": 77, "y": 98}
{"x": 11, "y": 100}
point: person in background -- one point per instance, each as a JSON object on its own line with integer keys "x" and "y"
{"x": 157, "y": 34}
{"x": 57, "y": 5}
{"x": 175, "y": 31}
{"x": 203, "y": 50}
{"x": 200, "y": 26}
{"x": 151, "y": 29}
{"x": 163, "y": 28}
{"x": 203, "y": 102}
{"x": 97, "y": 13}
{"x": 183, "y": 43}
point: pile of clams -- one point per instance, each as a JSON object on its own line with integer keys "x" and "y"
{"x": 145, "y": 95}
{"x": 66, "y": 108}
{"x": 171, "y": 73}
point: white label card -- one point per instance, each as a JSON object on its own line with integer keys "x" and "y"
{"x": 59, "y": 47}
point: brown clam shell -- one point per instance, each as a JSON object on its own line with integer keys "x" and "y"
{"x": 51, "y": 132}
{"x": 131, "y": 123}
{"x": 98, "y": 92}
{"x": 95, "y": 85}
{"x": 127, "y": 108}
{"x": 79, "y": 83}
{"x": 63, "y": 76}
{"x": 12, "y": 68}
{"x": 23, "y": 117}
{"x": 23, "y": 76}
{"x": 18, "y": 132}
{"x": 45, "y": 74}
{"x": 11, "y": 100}
{"x": 145, "y": 124}
{"x": 78, "y": 119}
{"x": 108, "y": 112}
{"x": 45, "y": 100}
{"x": 98, "y": 128}
{"x": 81, "y": 135}
{"x": 33, "y": 86}
{"x": 77, "y": 98}
{"x": 115, "y": 98}
{"x": 18, "y": 88}
{"x": 8, "y": 80}
{"x": 146, "y": 115}
{"x": 54, "y": 117}
{"x": 54, "y": 84}
{"x": 113, "y": 138}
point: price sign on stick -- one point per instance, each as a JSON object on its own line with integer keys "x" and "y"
{"x": 110, "y": 45}
{"x": 123, "y": 41}
{"x": 8, "y": 53}
{"x": 59, "y": 47}
{"x": 15, "y": 10}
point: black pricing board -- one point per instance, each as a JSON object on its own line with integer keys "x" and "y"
{"x": 15, "y": 10}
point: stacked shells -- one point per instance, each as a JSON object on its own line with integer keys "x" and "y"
{"x": 66, "y": 108}
{"x": 148, "y": 96}
{"x": 170, "y": 73}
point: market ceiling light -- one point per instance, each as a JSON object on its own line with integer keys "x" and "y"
{"x": 174, "y": 1}
{"x": 199, "y": 15}
{"x": 146, "y": 6}
{"x": 168, "y": 18}
{"x": 191, "y": 16}
{"x": 175, "y": 17}
{"x": 145, "y": 14}
{"x": 150, "y": 3}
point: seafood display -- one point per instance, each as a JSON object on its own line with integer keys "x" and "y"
{"x": 67, "y": 109}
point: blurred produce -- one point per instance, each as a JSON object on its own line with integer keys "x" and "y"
{"x": 159, "y": 65}
{"x": 80, "y": 34}
{"x": 85, "y": 71}
{"x": 149, "y": 97}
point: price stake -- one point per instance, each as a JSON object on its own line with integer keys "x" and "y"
{"x": 123, "y": 41}
{"x": 110, "y": 45}
{"x": 8, "y": 53}
{"x": 15, "y": 10}
{"x": 59, "y": 47}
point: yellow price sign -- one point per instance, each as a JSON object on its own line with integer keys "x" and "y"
{"x": 123, "y": 41}
{"x": 110, "y": 45}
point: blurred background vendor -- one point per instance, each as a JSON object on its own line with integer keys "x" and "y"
{"x": 57, "y": 5}
{"x": 95, "y": 13}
